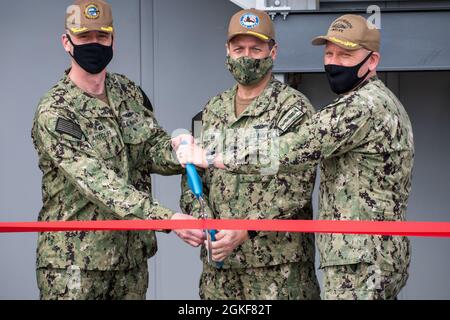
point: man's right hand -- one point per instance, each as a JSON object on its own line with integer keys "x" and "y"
{"x": 178, "y": 140}
{"x": 192, "y": 237}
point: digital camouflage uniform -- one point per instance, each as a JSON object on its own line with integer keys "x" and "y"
{"x": 364, "y": 143}
{"x": 272, "y": 265}
{"x": 96, "y": 161}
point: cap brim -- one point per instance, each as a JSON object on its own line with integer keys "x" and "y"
{"x": 343, "y": 43}
{"x": 250, "y": 33}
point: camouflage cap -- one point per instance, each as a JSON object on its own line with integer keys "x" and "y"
{"x": 351, "y": 32}
{"x": 252, "y": 22}
{"x": 89, "y": 15}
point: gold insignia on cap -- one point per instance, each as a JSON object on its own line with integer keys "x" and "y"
{"x": 78, "y": 30}
{"x": 344, "y": 43}
{"x": 259, "y": 35}
{"x": 107, "y": 29}
{"x": 92, "y": 11}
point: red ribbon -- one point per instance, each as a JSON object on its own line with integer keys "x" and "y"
{"x": 416, "y": 229}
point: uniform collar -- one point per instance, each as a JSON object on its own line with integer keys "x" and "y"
{"x": 89, "y": 106}
{"x": 366, "y": 82}
{"x": 349, "y": 96}
{"x": 258, "y": 106}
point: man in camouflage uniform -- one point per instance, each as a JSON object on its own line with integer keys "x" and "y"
{"x": 261, "y": 265}
{"x": 364, "y": 143}
{"x": 98, "y": 142}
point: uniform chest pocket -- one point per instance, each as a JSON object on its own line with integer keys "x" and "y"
{"x": 254, "y": 194}
{"x": 136, "y": 123}
{"x": 256, "y": 187}
{"x": 105, "y": 138}
{"x": 134, "y": 135}
{"x": 223, "y": 187}
{"x": 255, "y": 178}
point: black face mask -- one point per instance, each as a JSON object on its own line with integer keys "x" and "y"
{"x": 92, "y": 57}
{"x": 343, "y": 79}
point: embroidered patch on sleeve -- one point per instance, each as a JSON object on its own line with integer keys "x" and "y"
{"x": 69, "y": 127}
{"x": 293, "y": 115}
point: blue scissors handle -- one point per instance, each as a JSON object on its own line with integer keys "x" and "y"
{"x": 194, "y": 180}
{"x": 219, "y": 265}
{"x": 196, "y": 186}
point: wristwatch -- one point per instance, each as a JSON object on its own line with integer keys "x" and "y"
{"x": 210, "y": 158}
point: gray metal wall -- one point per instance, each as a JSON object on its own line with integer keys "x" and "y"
{"x": 417, "y": 40}
{"x": 175, "y": 49}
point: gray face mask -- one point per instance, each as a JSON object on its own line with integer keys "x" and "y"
{"x": 249, "y": 71}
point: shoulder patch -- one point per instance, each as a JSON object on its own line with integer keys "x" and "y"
{"x": 147, "y": 104}
{"x": 68, "y": 127}
{"x": 289, "y": 118}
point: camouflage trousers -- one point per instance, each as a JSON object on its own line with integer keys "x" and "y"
{"x": 76, "y": 284}
{"x": 361, "y": 281}
{"x": 291, "y": 281}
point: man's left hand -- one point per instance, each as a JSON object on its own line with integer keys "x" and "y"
{"x": 226, "y": 242}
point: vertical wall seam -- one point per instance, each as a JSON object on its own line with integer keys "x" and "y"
{"x": 155, "y": 100}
